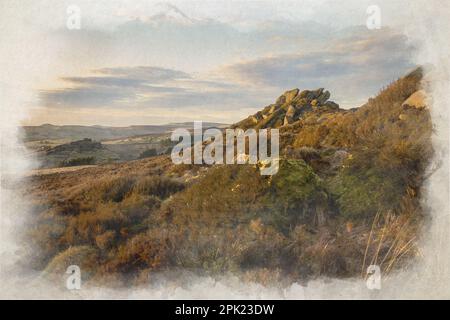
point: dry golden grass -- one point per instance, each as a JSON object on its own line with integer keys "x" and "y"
{"x": 393, "y": 238}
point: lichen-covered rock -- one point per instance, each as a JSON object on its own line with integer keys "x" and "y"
{"x": 324, "y": 97}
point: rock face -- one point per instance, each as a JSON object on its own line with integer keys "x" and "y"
{"x": 289, "y": 108}
{"x": 288, "y": 96}
{"x": 417, "y": 100}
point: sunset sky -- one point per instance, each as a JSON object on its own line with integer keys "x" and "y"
{"x": 145, "y": 62}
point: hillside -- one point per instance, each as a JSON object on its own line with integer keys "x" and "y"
{"x": 347, "y": 195}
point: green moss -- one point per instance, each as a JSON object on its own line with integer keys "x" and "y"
{"x": 296, "y": 193}
{"x": 360, "y": 194}
{"x": 296, "y": 182}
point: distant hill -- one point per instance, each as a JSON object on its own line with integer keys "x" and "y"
{"x": 80, "y": 152}
{"x": 55, "y": 146}
{"x": 98, "y": 133}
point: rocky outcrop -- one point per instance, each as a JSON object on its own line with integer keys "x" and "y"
{"x": 289, "y": 108}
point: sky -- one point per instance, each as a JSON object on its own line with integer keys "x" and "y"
{"x": 151, "y": 62}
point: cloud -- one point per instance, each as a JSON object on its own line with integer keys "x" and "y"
{"x": 355, "y": 65}
{"x": 210, "y": 100}
{"x": 151, "y": 74}
{"x": 146, "y": 87}
{"x": 114, "y": 87}
{"x": 82, "y": 97}
{"x": 136, "y": 77}
{"x": 234, "y": 71}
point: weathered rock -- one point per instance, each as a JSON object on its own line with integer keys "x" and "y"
{"x": 291, "y": 107}
{"x": 303, "y": 94}
{"x": 314, "y": 94}
{"x": 272, "y": 109}
{"x": 290, "y": 111}
{"x": 324, "y": 97}
{"x": 288, "y": 96}
{"x": 253, "y": 119}
{"x": 288, "y": 120}
{"x": 259, "y": 116}
{"x": 300, "y": 102}
{"x": 417, "y": 100}
{"x": 256, "y": 117}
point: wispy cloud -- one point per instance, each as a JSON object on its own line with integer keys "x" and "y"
{"x": 146, "y": 87}
{"x": 145, "y": 73}
{"x": 231, "y": 72}
{"x": 114, "y": 87}
{"x": 355, "y": 66}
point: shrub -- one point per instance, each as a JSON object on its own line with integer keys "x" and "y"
{"x": 142, "y": 251}
{"x": 110, "y": 189}
{"x": 296, "y": 193}
{"x": 161, "y": 187}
